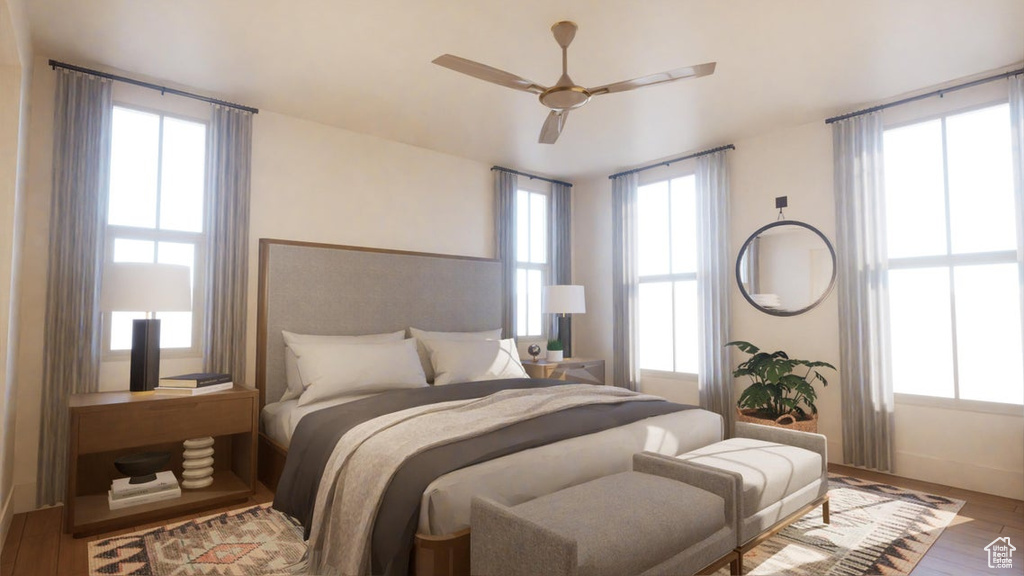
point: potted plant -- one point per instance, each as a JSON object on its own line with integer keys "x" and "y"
{"x": 777, "y": 396}
{"x": 554, "y": 351}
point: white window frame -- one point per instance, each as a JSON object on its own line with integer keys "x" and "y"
{"x": 671, "y": 277}
{"x": 950, "y": 262}
{"x": 533, "y": 187}
{"x": 114, "y": 232}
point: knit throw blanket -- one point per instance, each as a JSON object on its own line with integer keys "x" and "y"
{"x": 368, "y": 456}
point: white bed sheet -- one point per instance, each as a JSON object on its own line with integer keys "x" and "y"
{"x": 279, "y": 419}
{"x": 532, "y": 473}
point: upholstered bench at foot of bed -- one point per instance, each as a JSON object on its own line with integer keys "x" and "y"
{"x": 639, "y": 522}
{"x": 780, "y": 475}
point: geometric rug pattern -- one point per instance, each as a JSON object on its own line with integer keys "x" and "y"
{"x": 875, "y": 529}
{"x": 247, "y": 542}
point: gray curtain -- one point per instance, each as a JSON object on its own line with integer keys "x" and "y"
{"x": 865, "y": 374}
{"x": 71, "y": 353}
{"x": 714, "y": 266}
{"x": 625, "y": 282}
{"x": 505, "y": 184}
{"x": 560, "y": 248}
{"x": 1017, "y": 135}
{"x": 229, "y": 154}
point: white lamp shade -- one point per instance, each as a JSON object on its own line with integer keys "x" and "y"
{"x": 563, "y": 299}
{"x": 132, "y": 287}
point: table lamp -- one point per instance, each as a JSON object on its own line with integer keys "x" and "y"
{"x": 149, "y": 288}
{"x": 564, "y": 300}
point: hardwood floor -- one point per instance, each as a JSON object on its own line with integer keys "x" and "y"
{"x": 960, "y": 550}
{"x": 36, "y": 546}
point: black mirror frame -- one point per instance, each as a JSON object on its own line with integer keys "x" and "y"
{"x": 743, "y": 249}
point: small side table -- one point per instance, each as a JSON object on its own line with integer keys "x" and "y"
{"x": 583, "y": 370}
{"x": 106, "y": 425}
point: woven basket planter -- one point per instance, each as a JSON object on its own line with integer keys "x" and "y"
{"x": 785, "y": 421}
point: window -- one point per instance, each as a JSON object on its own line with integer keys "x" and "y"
{"x": 667, "y": 266}
{"x": 531, "y": 261}
{"x": 954, "y": 288}
{"x": 155, "y": 213}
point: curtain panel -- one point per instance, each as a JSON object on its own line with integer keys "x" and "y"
{"x": 505, "y": 184}
{"x": 83, "y": 112}
{"x": 229, "y": 155}
{"x": 714, "y": 266}
{"x": 625, "y": 282}
{"x": 865, "y": 373}
{"x": 1017, "y": 135}
{"x": 560, "y": 248}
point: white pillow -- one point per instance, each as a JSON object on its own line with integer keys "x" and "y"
{"x": 332, "y": 369}
{"x": 421, "y": 335}
{"x": 291, "y": 364}
{"x": 472, "y": 360}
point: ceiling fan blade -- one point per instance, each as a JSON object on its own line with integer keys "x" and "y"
{"x": 677, "y": 74}
{"x": 553, "y": 126}
{"x": 487, "y": 73}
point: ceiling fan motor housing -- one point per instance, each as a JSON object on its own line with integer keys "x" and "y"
{"x": 565, "y": 97}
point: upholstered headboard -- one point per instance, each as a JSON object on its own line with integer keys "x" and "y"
{"x": 328, "y": 289}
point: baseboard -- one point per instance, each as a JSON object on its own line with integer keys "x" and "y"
{"x": 1006, "y": 483}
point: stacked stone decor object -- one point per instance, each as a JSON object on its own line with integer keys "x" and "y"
{"x": 198, "y": 463}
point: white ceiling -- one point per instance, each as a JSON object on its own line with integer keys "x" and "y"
{"x": 365, "y": 65}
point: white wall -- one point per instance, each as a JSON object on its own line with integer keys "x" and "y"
{"x": 309, "y": 182}
{"x": 977, "y": 451}
{"x": 15, "y": 71}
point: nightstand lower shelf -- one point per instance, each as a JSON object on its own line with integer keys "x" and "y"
{"x": 93, "y": 515}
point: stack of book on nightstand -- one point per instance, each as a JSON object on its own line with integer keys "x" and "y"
{"x": 191, "y": 384}
{"x": 122, "y": 494}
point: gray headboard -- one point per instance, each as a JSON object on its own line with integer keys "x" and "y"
{"x": 327, "y": 289}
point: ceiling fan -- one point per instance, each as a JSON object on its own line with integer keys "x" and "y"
{"x": 565, "y": 94}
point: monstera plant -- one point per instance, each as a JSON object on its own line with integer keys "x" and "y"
{"x": 780, "y": 386}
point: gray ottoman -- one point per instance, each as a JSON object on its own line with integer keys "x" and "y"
{"x": 639, "y": 522}
{"x": 780, "y": 475}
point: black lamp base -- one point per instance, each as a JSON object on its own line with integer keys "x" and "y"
{"x": 145, "y": 370}
{"x": 565, "y": 334}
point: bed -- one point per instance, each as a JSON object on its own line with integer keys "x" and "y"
{"x": 326, "y": 289}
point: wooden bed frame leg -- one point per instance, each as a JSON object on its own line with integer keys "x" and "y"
{"x": 737, "y": 566}
{"x": 824, "y": 511}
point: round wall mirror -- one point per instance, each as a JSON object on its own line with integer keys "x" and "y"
{"x": 786, "y": 268}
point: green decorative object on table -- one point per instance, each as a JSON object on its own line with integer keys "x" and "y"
{"x": 776, "y": 393}
{"x": 554, "y": 351}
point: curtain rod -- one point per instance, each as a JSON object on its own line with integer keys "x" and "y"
{"x": 923, "y": 96}
{"x": 673, "y": 161}
{"x": 530, "y": 176}
{"x": 162, "y": 89}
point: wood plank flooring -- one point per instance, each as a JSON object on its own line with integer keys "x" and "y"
{"x": 960, "y": 549}
{"x": 35, "y": 545}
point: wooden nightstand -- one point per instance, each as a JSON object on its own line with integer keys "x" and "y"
{"x": 584, "y": 370}
{"x": 107, "y": 425}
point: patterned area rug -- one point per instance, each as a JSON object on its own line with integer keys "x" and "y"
{"x": 875, "y": 529}
{"x": 248, "y": 542}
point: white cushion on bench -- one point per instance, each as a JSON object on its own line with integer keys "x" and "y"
{"x": 770, "y": 471}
